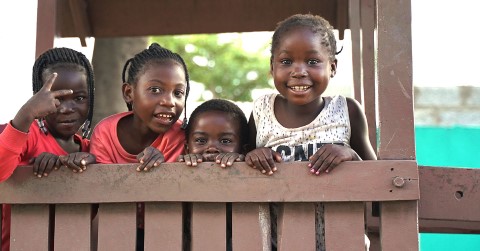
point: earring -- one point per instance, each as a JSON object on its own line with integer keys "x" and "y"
{"x": 41, "y": 124}
{"x": 86, "y": 129}
{"x": 184, "y": 123}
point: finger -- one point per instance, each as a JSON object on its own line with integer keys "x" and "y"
{"x": 326, "y": 164}
{"x": 229, "y": 159}
{"x": 60, "y": 93}
{"x": 155, "y": 161}
{"x": 73, "y": 163}
{"x": 57, "y": 165}
{"x": 48, "y": 85}
{"x": 37, "y": 165}
{"x": 147, "y": 154}
{"x": 35, "y": 168}
{"x": 49, "y": 166}
{"x": 180, "y": 158}
{"x": 240, "y": 158}
{"x": 336, "y": 161}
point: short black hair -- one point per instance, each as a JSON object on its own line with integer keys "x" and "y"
{"x": 154, "y": 53}
{"x": 316, "y": 24}
{"x": 66, "y": 58}
{"x": 221, "y": 105}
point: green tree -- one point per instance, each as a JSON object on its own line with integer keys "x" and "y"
{"x": 224, "y": 68}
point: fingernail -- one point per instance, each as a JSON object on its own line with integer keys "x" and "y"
{"x": 81, "y": 170}
{"x": 317, "y": 173}
{"x": 270, "y": 173}
{"x": 35, "y": 174}
{"x": 263, "y": 171}
{"x": 46, "y": 174}
{"x": 138, "y": 169}
{"x": 312, "y": 170}
{"x": 39, "y": 176}
{"x": 223, "y": 165}
{"x": 229, "y": 163}
{"x": 83, "y": 162}
{"x": 74, "y": 171}
{"x": 274, "y": 169}
{"x": 84, "y": 168}
{"x": 189, "y": 163}
{"x": 155, "y": 164}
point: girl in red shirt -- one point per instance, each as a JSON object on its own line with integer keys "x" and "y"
{"x": 43, "y": 132}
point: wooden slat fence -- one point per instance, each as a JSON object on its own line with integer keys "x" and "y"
{"x": 168, "y": 191}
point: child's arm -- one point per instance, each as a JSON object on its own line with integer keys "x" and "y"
{"x": 359, "y": 140}
{"x": 330, "y": 155}
{"x": 262, "y": 158}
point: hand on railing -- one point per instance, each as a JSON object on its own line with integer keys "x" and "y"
{"x": 149, "y": 158}
{"x": 77, "y": 162}
{"x": 263, "y": 159}
{"x": 329, "y": 156}
{"x": 223, "y": 159}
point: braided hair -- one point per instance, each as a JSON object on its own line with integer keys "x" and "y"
{"x": 221, "y": 105}
{"x": 70, "y": 59}
{"x": 154, "y": 53}
{"x": 316, "y": 24}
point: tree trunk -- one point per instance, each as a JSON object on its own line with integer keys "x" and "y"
{"x": 109, "y": 57}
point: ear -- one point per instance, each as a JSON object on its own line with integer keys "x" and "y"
{"x": 333, "y": 68}
{"x": 127, "y": 91}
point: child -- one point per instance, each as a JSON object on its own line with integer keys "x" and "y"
{"x": 299, "y": 124}
{"x": 217, "y": 131}
{"x": 63, "y": 84}
{"x": 150, "y": 133}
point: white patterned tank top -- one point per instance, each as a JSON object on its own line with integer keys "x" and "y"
{"x": 331, "y": 126}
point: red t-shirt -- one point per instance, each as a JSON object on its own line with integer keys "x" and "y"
{"x": 16, "y": 149}
{"x": 108, "y": 150}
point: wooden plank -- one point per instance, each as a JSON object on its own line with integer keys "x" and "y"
{"x": 239, "y": 183}
{"x": 367, "y": 15}
{"x": 29, "y": 227}
{"x": 117, "y": 225}
{"x": 73, "y": 226}
{"x": 449, "y": 226}
{"x": 209, "y": 223}
{"x": 1, "y": 215}
{"x": 296, "y": 227}
{"x": 128, "y": 18}
{"x": 457, "y": 190}
{"x": 344, "y": 221}
{"x": 395, "y": 92}
{"x": 46, "y": 21}
{"x": 250, "y": 231}
{"x": 354, "y": 23}
{"x": 163, "y": 226}
{"x": 399, "y": 225}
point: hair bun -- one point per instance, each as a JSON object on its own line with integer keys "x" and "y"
{"x": 155, "y": 46}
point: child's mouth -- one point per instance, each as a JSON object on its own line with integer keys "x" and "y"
{"x": 163, "y": 117}
{"x": 299, "y": 88}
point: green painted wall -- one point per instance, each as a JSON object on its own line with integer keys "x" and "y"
{"x": 453, "y": 147}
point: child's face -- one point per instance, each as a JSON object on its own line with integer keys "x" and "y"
{"x": 73, "y": 109}
{"x": 214, "y": 132}
{"x": 300, "y": 67}
{"x": 158, "y": 97}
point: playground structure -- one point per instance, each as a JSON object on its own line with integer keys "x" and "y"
{"x": 407, "y": 198}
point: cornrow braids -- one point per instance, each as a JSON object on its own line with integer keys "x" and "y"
{"x": 155, "y": 53}
{"x": 221, "y": 105}
{"x": 66, "y": 58}
{"x": 316, "y": 24}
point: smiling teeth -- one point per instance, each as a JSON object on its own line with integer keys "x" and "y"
{"x": 167, "y": 116}
{"x": 300, "y": 88}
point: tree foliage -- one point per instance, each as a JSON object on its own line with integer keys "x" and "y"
{"x": 224, "y": 68}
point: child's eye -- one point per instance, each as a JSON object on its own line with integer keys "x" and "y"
{"x": 155, "y": 89}
{"x": 80, "y": 98}
{"x": 201, "y": 141}
{"x": 179, "y": 93}
{"x": 225, "y": 141}
{"x": 286, "y": 61}
{"x": 313, "y": 61}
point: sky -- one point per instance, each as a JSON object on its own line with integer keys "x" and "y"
{"x": 445, "y": 47}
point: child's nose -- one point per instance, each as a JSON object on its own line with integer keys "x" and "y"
{"x": 299, "y": 71}
{"x": 167, "y": 100}
{"x": 212, "y": 149}
{"x": 66, "y": 106}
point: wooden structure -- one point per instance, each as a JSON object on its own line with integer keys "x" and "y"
{"x": 382, "y": 56}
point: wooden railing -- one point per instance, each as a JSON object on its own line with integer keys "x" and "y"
{"x": 58, "y": 210}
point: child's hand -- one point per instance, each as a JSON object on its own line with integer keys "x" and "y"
{"x": 191, "y": 159}
{"x": 150, "y": 157}
{"x": 44, "y": 163}
{"x": 263, "y": 159}
{"x": 77, "y": 162}
{"x": 329, "y": 156}
{"x": 227, "y": 159}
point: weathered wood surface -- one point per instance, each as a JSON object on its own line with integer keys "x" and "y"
{"x": 350, "y": 181}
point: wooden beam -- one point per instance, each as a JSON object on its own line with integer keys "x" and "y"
{"x": 46, "y": 26}
{"x": 209, "y": 183}
{"x": 81, "y": 23}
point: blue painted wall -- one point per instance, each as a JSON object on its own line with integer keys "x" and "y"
{"x": 453, "y": 147}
